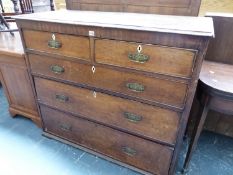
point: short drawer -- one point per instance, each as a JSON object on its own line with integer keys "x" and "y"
{"x": 151, "y": 58}
{"x": 125, "y": 83}
{"x": 62, "y": 44}
{"x": 120, "y": 146}
{"x": 144, "y": 120}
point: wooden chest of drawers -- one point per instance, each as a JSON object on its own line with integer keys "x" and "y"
{"x": 117, "y": 84}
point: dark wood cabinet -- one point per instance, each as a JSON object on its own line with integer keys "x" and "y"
{"x": 119, "y": 88}
{"x": 165, "y": 7}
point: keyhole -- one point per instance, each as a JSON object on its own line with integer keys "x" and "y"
{"x": 139, "y": 48}
{"x": 53, "y": 37}
{"x": 94, "y": 94}
{"x": 93, "y": 69}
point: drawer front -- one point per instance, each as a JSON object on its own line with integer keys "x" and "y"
{"x": 150, "y": 58}
{"x": 126, "y": 148}
{"x": 145, "y": 120}
{"x": 67, "y": 45}
{"x": 131, "y": 84}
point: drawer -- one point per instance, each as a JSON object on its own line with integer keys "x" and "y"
{"x": 67, "y": 45}
{"x": 125, "y": 83}
{"x": 150, "y": 58}
{"x": 144, "y": 120}
{"x": 120, "y": 146}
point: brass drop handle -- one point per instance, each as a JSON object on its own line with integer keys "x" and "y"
{"x": 62, "y": 98}
{"x": 132, "y": 117}
{"x": 138, "y": 56}
{"x": 53, "y": 43}
{"x": 65, "y": 127}
{"x": 57, "y": 69}
{"x": 135, "y": 87}
{"x": 129, "y": 151}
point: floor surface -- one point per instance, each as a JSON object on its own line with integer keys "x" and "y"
{"x": 24, "y": 151}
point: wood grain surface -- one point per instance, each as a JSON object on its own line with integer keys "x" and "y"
{"x": 172, "y": 93}
{"x": 160, "y": 58}
{"x": 15, "y": 78}
{"x": 206, "y": 6}
{"x": 154, "y": 122}
{"x": 73, "y": 46}
{"x": 168, "y": 7}
{"x": 143, "y": 154}
{"x": 156, "y": 90}
{"x": 200, "y": 26}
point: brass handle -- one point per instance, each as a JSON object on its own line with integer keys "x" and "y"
{"x": 129, "y": 151}
{"x": 135, "y": 87}
{"x": 138, "y": 57}
{"x": 62, "y": 98}
{"x": 53, "y": 43}
{"x": 57, "y": 69}
{"x": 132, "y": 117}
{"x": 65, "y": 127}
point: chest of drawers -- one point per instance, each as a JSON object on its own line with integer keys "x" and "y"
{"x": 117, "y": 84}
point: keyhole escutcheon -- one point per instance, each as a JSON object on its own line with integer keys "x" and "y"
{"x": 139, "y": 49}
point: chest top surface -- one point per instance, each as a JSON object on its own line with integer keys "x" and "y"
{"x": 200, "y": 26}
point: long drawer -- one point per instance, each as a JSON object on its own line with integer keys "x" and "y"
{"x": 144, "y": 120}
{"x": 150, "y": 58}
{"x": 62, "y": 44}
{"x": 132, "y": 84}
{"x": 126, "y": 148}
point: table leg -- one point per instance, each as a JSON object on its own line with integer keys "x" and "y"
{"x": 196, "y": 131}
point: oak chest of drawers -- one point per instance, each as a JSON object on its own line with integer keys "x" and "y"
{"x": 117, "y": 84}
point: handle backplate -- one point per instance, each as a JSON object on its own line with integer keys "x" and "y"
{"x": 132, "y": 117}
{"x": 53, "y": 43}
{"x": 135, "y": 87}
{"x": 138, "y": 57}
{"x": 129, "y": 151}
{"x": 65, "y": 127}
{"x": 57, "y": 69}
{"x": 62, "y": 98}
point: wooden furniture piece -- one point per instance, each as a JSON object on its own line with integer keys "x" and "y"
{"x": 15, "y": 78}
{"x": 30, "y": 6}
{"x": 119, "y": 85}
{"x": 165, "y": 7}
{"x": 26, "y": 6}
{"x": 216, "y": 81}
